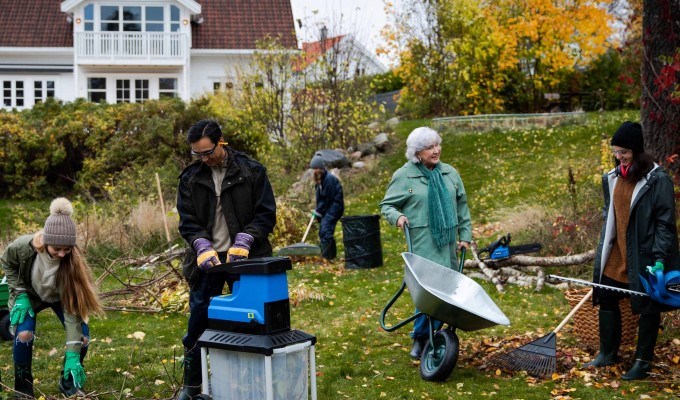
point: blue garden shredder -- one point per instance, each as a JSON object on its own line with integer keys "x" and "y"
{"x": 249, "y": 351}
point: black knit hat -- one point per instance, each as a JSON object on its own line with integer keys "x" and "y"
{"x": 629, "y": 136}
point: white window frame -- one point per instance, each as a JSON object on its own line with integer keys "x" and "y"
{"x": 14, "y": 95}
{"x": 169, "y": 24}
{"x": 43, "y": 93}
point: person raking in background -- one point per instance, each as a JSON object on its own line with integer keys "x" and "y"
{"x": 330, "y": 205}
{"x": 428, "y": 195}
{"x": 639, "y": 233}
{"x": 48, "y": 270}
{"x": 227, "y": 211}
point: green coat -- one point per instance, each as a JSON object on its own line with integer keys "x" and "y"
{"x": 17, "y": 262}
{"x": 407, "y": 195}
{"x": 651, "y": 234}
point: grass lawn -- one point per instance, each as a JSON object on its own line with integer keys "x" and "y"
{"x": 135, "y": 355}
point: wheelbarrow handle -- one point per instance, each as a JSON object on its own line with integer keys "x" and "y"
{"x": 407, "y": 232}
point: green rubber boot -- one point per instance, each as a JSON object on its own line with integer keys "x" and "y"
{"x": 648, "y": 331}
{"x": 191, "y": 386}
{"x": 23, "y": 381}
{"x": 610, "y": 339}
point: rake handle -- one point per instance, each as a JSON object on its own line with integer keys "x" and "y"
{"x": 573, "y": 311}
{"x": 309, "y": 226}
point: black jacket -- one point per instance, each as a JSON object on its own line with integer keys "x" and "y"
{"x": 247, "y": 202}
{"x": 651, "y": 234}
{"x": 330, "y": 202}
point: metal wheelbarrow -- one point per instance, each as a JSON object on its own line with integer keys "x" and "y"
{"x": 444, "y": 294}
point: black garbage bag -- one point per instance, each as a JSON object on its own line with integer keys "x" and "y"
{"x": 361, "y": 237}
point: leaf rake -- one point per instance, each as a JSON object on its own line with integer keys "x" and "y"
{"x": 538, "y": 358}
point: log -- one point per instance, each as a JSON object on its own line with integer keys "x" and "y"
{"x": 486, "y": 270}
{"x": 529, "y": 261}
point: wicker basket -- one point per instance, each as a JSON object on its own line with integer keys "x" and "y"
{"x": 586, "y": 324}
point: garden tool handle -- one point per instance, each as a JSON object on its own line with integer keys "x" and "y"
{"x": 573, "y": 311}
{"x": 461, "y": 262}
{"x": 309, "y": 226}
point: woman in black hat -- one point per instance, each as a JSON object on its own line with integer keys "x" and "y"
{"x": 638, "y": 237}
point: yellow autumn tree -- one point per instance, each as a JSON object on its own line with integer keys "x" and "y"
{"x": 546, "y": 37}
{"x": 482, "y": 56}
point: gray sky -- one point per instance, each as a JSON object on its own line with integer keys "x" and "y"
{"x": 363, "y": 18}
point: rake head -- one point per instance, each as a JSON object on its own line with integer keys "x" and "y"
{"x": 537, "y": 357}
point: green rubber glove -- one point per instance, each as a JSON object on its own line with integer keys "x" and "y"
{"x": 22, "y": 305}
{"x": 72, "y": 366}
{"x": 657, "y": 267}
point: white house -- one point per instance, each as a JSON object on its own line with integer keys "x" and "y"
{"x": 128, "y": 50}
{"x": 344, "y": 52}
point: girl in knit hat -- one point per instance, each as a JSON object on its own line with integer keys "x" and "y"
{"x": 48, "y": 270}
{"x": 638, "y": 237}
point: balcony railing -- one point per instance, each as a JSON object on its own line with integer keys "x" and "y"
{"x": 131, "y": 47}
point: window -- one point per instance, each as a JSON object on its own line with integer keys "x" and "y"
{"x": 42, "y": 90}
{"x": 96, "y": 89}
{"x": 141, "y": 90}
{"x": 132, "y": 90}
{"x": 154, "y": 19}
{"x": 217, "y": 85}
{"x": 89, "y": 18}
{"x": 167, "y": 87}
{"x": 122, "y": 90}
{"x": 174, "y": 19}
{"x": 134, "y": 18}
{"x": 13, "y": 93}
{"x": 7, "y": 93}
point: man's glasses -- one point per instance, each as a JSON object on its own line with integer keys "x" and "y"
{"x": 207, "y": 153}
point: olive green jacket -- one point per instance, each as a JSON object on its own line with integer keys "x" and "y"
{"x": 17, "y": 263}
{"x": 407, "y": 195}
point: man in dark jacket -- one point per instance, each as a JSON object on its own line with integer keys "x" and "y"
{"x": 227, "y": 211}
{"x": 330, "y": 205}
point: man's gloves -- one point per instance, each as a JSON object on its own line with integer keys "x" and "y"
{"x": 72, "y": 367}
{"x": 316, "y": 214}
{"x": 207, "y": 257}
{"x": 657, "y": 267}
{"x": 22, "y": 305}
{"x": 241, "y": 247}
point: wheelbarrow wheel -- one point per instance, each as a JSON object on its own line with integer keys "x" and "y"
{"x": 439, "y": 359}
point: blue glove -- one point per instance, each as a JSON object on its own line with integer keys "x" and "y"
{"x": 22, "y": 305}
{"x": 207, "y": 257}
{"x": 73, "y": 367}
{"x": 657, "y": 267}
{"x": 316, "y": 214}
{"x": 241, "y": 247}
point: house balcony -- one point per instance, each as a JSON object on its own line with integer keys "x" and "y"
{"x": 131, "y": 48}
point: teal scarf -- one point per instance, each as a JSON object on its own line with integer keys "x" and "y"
{"x": 439, "y": 206}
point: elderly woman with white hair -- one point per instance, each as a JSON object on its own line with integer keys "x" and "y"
{"x": 428, "y": 196}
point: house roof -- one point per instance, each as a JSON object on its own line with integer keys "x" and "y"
{"x": 34, "y": 23}
{"x": 241, "y": 23}
{"x": 227, "y": 24}
{"x": 313, "y": 50}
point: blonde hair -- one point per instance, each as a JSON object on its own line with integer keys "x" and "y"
{"x": 78, "y": 291}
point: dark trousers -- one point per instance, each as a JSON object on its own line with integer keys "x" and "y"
{"x": 208, "y": 286}
{"x": 326, "y": 238}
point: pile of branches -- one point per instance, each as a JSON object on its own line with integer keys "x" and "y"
{"x": 521, "y": 269}
{"x": 147, "y": 284}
